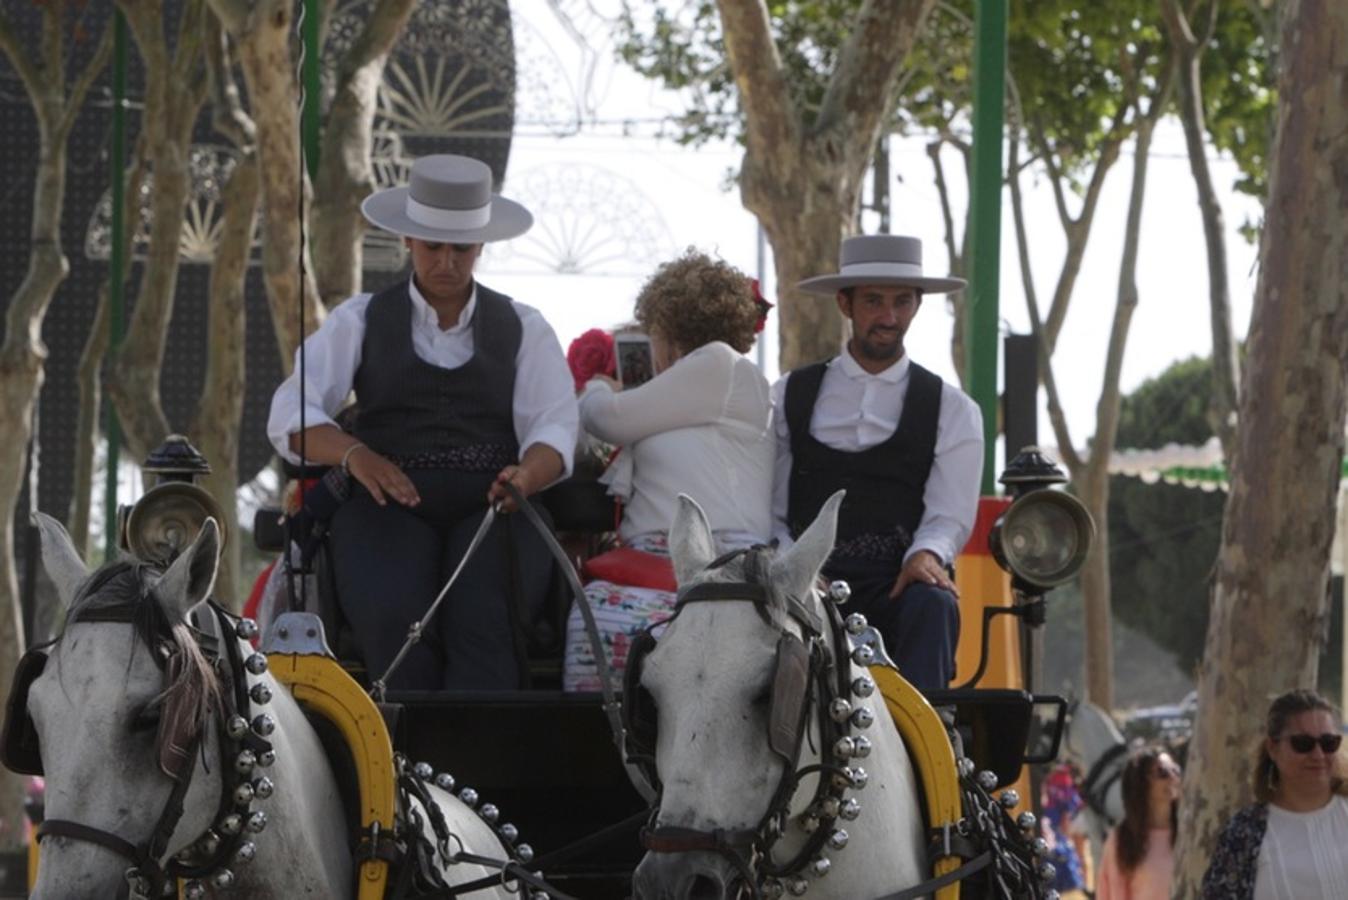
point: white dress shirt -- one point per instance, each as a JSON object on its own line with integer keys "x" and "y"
{"x": 856, "y": 410}
{"x": 1303, "y": 855}
{"x": 702, "y": 427}
{"x": 543, "y": 408}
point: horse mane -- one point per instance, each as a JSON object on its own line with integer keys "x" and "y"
{"x": 192, "y": 688}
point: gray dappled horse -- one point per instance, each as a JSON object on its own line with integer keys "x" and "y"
{"x": 1095, "y": 744}
{"x": 722, "y": 748}
{"x": 127, "y": 663}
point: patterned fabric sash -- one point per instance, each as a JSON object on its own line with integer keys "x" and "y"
{"x": 473, "y": 458}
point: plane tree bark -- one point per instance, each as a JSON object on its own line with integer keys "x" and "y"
{"x": 345, "y": 174}
{"x": 175, "y": 90}
{"x": 1270, "y": 603}
{"x": 1225, "y": 359}
{"x": 802, "y": 175}
{"x": 56, "y": 96}
{"x": 262, "y": 32}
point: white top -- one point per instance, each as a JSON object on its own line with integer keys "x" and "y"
{"x": 1304, "y": 856}
{"x": 701, "y": 428}
{"x": 856, "y": 410}
{"x": 544, "y": 406}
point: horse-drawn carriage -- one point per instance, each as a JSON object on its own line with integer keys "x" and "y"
{"x": 738, "y": 769}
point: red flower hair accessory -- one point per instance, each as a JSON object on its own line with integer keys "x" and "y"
{"x": 591, "y": 354}
{"x": 762, "y": 303}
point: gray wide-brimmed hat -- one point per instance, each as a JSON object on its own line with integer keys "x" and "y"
{"x": 883, "y": 259}
{"x": 447, "y": 199}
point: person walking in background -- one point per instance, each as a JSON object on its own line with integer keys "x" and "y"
{"x": 1139, "y": 856}
{"x": 1292, "y": 843}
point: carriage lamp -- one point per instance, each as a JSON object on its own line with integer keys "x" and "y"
{"x": 1044, "y": 536}
{"x": 163, "y": 522}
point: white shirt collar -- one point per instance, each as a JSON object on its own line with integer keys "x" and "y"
{"x": 852, "y": 369}
{"x": 425, "y": 314}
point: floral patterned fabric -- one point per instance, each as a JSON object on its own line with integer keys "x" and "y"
{"x": 1231, "y": 873}
{"x": 621, "y": 612}
{"x": 1060, "y": 802}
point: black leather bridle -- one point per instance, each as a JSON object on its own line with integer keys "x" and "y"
{"x": 151, "y": 877}
{"x": 750, "y": 849}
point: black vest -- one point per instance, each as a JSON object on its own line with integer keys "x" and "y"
{"x": 884, "y": 483}
{"x": 407, "y": 406}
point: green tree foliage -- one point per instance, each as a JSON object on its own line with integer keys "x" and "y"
{"x": 1239, "y": 93}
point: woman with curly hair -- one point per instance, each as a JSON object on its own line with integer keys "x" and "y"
{"x": 701, "y": 427}
{"x": 1289, "y": 844}
{"x": 1139, "y": 855}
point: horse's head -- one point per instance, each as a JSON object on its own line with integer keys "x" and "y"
{"x": 727, "y": 729}
{"x": 123, "y": 703}
{"x": 1091, "y": 732}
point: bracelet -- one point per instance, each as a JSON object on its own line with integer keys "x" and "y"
{"x": 346, "y": 457}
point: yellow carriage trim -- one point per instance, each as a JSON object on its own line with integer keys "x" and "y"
{"x": 933, "y": 759}
{"x": 319, "y": 683}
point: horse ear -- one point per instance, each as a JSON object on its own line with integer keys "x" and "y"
{"x": 190, "y": 579}
{"x": 797, "y": 569}
{"x": 60, "y": 559}
{"x": 691, "y": 546}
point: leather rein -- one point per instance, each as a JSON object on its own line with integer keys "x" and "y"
{"x": 147, "y": 875}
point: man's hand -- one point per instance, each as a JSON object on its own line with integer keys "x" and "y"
{"x": 516, "y": 475}
{"x": 539, "y": 467}
{"x": 381, "y": 477}
{"x": 923, "y": 567}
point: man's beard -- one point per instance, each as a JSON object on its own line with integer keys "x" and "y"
{"x": 877, "y": 351}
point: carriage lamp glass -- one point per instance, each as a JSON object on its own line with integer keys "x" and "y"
{"x": 170, "y": 514}
{"x": 1043, "y": 538}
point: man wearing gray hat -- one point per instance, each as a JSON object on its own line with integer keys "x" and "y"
{"x": 459, "y": 389}
{"x": 906, "y": 446}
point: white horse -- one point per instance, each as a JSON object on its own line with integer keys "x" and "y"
{"x": 712, "y": 677}
{"x": 1094, "y": 742}
{"x": 126, "y": 658}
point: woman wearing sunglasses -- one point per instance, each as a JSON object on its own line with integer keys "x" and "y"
{"x": 1290, "y": 845}
{"x": 1139, "y": 854}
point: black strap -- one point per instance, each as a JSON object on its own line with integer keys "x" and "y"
{"x": 931, "y": 885}
{"x": 612, "y": 707}
{"x": 67, "y": 828}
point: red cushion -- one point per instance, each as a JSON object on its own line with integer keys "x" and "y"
{"x": 633, "y": 568}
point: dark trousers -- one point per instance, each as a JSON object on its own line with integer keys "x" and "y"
{"x": 921, "y": 627}
{"x": 390, "y": 562}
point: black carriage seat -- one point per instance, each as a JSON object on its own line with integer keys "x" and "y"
{"x": 994, "y": 724}
{"x": 580, "y": 509}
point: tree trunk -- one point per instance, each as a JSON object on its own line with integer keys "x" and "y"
{"x": 1225, "y": 359}
{"x": 805, "y": 228}
{"x": 55, "y": 103}
{"x": 262, "y": 31}
{"x": 1269, "y": 608}
{"x": 174, "y": 96}
{"x": 345, "y": 173}
{"x": 1092, "y": 475}
{"x": 90, "y": 381}
{"x": 803, "y": 179}
{"x": 216, "y": 430}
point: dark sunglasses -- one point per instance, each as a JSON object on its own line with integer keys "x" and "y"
{"x": 1305, "y": 743}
